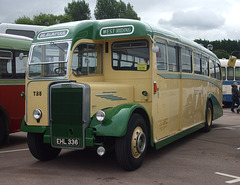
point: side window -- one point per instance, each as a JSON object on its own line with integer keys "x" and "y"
{"x": 223, "y": 73}
{"x": 205, "y": 66}
{"x": 20, "y": 65}
{"x": 186, "y": 60}
{"x": 230, "y": 73}
{"x": 6, "y": 62}
{"x": 173, "y": 59}
{"x": 212, "y": 69}
{"x": 26, "y": 33}
{"x": 130, "y": 55}
{"x": 237, "y": 73}
{"x": 197, "y": 63}
{"x": 87, "y": 59}
{"x": 217, "y": 69}
{"x": 161, "y": 57}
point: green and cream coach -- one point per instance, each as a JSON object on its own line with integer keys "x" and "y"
{"x": 119, "y": 85}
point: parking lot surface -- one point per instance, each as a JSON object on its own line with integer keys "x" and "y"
{"x": 198, "y": 159}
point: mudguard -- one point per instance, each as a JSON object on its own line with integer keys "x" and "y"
{"x": 116, "y": 120}
{"x": 32, "y": 129}
{"x": 217, "y": 108}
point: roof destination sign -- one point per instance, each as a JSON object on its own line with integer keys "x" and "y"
{"x": 53, "y": 34}
{"x": 117, "y": 30}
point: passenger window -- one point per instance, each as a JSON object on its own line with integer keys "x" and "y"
{"x": 173, "y": 59}
{"x": 6, "y": 64}
{"x": 130, "y": 55}
{"x": 224, "y": 73}
{"x": 237, "y": 73}
{"x": 186, "y": 60}
{"x": 212, "y": 69}
{"x": 87, "y": 59}
{"x": 161, "y": 57}
{"x": 217, "y": 69}
{"x": 230, "y": 73}
{"x": 205, "y": 66}
{"x": 20, "y": 65}
{"x": 26, "y": 33}
{"x": 197, "y": 63}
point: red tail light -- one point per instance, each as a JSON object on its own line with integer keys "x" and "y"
{"x": 155, "y": 87}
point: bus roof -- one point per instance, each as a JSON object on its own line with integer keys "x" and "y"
{"x": 4, "y": 26}
{"x": 224, "y": 62}
{"x": 109, "y": 29}
{"x": 15, "y": 42}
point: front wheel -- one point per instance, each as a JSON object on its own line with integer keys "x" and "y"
{"x": 40, "y": 150}
{"x": 131, "y": 148}
{"x": 209, "y": 117}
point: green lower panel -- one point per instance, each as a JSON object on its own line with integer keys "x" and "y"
{"x": 170, "y": 139}
{"x": 66, "y": 113}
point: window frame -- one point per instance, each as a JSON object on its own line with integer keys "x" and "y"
{"x": 223, "y": 76}
{"x": 199, "y": 56}
{"x": 159, "y": 54}
{"x": 138, "y": 63}
{"x": 98, "y": 50}
{"x": 232, "y": 77}
{"x": 174, "y": 46}
{"x": 237, "y": 77}
{"x": 184, "y": 51}
{"x": 204, "y": 58}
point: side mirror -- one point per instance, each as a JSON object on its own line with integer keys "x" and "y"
{"x": 155, "y": 48}
{"x": 21, "y": 56}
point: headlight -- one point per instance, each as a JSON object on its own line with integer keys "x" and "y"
{"x": 100, "y": 115}
{"x": 37, "y": 114}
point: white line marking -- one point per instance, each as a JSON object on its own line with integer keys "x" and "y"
{"x": 10, "y": 151}
{"x": 235, "y": 178}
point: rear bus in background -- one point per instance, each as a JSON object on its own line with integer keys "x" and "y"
{"x": 230, "y": 75}
{"x": 12, "y": 83}
{"x": 20, "y": 29}
{"x": 119, "y": 85}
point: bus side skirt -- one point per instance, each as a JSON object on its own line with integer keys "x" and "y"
{"x": 167, "y": 140}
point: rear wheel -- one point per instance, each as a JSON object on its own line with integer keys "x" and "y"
{"x": 209, "y": 117}
{"x": 41, "y": 151}
{"x": 3, "y": 132}
{"x": 131, "y": 148}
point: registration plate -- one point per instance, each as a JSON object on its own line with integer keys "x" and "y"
{"x": 67, "y": 142}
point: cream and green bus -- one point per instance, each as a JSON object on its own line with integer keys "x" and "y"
{"x": 119, "y": 85}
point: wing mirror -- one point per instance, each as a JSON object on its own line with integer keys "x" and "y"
{"x": 21, "y": 56}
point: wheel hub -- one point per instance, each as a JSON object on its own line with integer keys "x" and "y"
{"x": 138, "y": 142}
{"x": 209, "y": 116}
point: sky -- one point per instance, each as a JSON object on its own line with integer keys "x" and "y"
{"x": 194, "y": 19}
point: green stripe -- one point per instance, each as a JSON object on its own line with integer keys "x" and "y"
{"x": 110, "y": 97}
{"x": 12, "y": 82}
{"x": 189, "y": 77}
{"x": 177, "y": 136}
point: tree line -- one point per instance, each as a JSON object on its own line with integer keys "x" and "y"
{"x": 79, "y": 10}
{"x": 108, "y": 9}
{"x": 223, "y": 48}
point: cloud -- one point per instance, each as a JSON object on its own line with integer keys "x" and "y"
{"x": 201, "y": 19}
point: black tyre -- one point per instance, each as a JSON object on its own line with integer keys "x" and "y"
{"x": 131, "y": 148}
{"x": 4, "y": 133}
{"x": 41, "y": 151}
{"x": 209, "y": 117}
